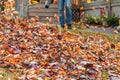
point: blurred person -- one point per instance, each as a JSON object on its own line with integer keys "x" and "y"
{"x": 67, "y": 6}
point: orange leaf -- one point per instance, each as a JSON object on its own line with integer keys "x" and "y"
{"x": 15, "y": 12}
{"x": 81, "y": 8}
{"x": 88, "y": 1}
{"x": 47, "y": 78}
{"x": 55, "y": 1}
{"x": 117, "y": 47}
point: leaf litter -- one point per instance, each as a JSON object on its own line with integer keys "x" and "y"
{"x": 40, "y": 52}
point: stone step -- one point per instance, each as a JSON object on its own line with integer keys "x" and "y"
{"x": 40, "y": 10}
{"x": 42, "y": 14}
{"x": 53, "y": 6}
{"x": 49, "y": 22}
{"x": 51, "y": 10}
{"x": 46, "y": 18}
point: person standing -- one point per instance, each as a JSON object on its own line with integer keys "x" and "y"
{"x": 65, "y": 5}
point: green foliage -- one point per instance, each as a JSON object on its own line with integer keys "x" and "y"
{"x": 112, "y": 20}
{"x": 94, "y": 20}
{"x": 2, "y": 7}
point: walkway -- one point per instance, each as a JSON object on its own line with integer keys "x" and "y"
{"x": 104, "y": 30}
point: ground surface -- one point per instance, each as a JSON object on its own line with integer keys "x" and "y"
{"x": 103, "y": 30}
{"x": 43, "y": 52}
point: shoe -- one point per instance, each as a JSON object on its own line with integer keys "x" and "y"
{"x": 46, "y": 6}
{"x": 69, "y": 26}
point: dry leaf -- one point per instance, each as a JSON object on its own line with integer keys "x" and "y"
{"x": 115, "y": 31}
{"x": 1, "y": 76}
{"x": 15, "y": 12}
{"x": 30, "y": 47}
{"x": 88, "y": 1}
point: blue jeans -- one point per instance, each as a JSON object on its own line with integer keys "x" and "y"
{"x": 67, "y": 4}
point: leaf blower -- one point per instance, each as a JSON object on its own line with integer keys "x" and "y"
{"x": 47, "y": 3}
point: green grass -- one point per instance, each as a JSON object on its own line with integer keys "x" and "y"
{"x": 105, "y": 75}
{"x": 83, "y": 32}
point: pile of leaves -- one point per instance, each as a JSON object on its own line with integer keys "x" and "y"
{"x": 42, "y": 52}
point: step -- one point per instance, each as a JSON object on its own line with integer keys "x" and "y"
{"x": 50, "y": 18}
{"x": 42, "y": 14}
{"x": 53, "y": 22}
{"x": 43, "y": 6}
{"x": 43, "y": 10}
{"x": 45, "y": 20}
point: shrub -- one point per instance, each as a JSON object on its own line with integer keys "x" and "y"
{"x": 2, "y": 6}
{"x": 94, "y": 20}
{"x": 112, "y": 20}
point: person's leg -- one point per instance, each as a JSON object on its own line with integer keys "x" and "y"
{"x": 61, "y": 12}
{"x": 68, "y": 5}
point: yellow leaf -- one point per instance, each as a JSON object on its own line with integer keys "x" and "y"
{"x": 115, "y": 31}
{"x": 47, "y": 78}
{"x": 73, "y": 72}
{"x": 72, "y": 60}
{"x": 108, "y": 0}
{"x": 15, "y": 12}
{"x": 8, "y": 18}
{"x": 88, "y": 1}
{"x": 34, "y": 2}
{"x": 1, "y": 76}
